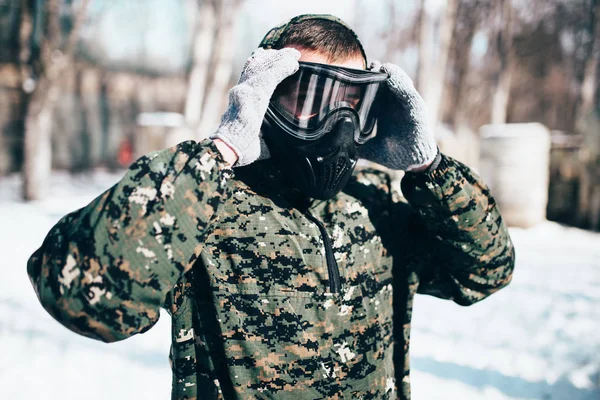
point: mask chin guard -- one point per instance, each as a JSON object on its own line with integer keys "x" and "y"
{"x": 319, "y": 169}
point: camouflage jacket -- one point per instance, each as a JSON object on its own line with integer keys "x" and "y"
{"x": 269, "y": 297}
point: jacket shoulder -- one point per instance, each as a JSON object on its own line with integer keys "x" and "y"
{"x": 369, "y": 176}
{"x": 372, "y": 187}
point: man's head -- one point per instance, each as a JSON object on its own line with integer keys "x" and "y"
{"x": 323, "y": 39}
{"x": 317, "y": 117}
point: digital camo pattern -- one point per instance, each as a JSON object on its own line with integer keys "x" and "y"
{"x": 105, "y": 270}
{"x": 254, "y": 317}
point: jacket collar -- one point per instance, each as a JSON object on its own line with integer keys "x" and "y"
{"x": 267, "y": 179}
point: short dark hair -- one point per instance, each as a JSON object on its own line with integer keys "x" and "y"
{"x": 329, "y": 38}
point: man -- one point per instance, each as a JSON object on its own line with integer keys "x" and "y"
{"x": 295, "y": 278}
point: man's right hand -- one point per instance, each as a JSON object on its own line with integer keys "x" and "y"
{"x": 248, "y": 102}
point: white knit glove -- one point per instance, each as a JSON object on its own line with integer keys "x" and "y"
{"x": 403, "y": 140}
{"x": 249, "y": 99}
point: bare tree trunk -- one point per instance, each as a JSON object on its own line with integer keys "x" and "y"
{"x": 220, "y": 68}
{"x": 425, "y": 47}
{"x": 467, "y": 139}
{"x": 589, "y": 86}
{"x": 590, "y": 80}
{"x": 435, "y": 89}
{"x": 501, "y": 95}
{"x": 459, "y": 97}
{"x": 54, "y": 61}
{"x": 588, "y": 212}
{"x": 89, "y": 85}
{"x": 392, "y": 36}
{"x": 37, "y": 162}
{"x": 204, "y": 39}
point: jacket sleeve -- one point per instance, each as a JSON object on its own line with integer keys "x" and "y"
{"x": 461, "y": 243}
{"x": 105, "y": 270}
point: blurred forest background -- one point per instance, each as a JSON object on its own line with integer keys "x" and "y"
{"x": 89, "y": 84}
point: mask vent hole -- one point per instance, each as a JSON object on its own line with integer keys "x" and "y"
{"x": 334, "y": 174}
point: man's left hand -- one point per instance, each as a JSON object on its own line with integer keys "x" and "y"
{"x": 403, "y": 140}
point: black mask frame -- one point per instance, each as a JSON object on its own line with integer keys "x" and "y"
{"x": 303, "y": 104}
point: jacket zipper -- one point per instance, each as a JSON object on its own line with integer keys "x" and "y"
{"x": 332, "y": 267}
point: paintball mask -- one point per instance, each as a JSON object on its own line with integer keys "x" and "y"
{"x": 315, "y": 120}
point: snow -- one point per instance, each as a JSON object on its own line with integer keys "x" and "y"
{"x": 39, "y": 358}
{"x": 536, "y": 339}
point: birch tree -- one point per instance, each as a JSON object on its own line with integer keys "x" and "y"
{"x": 589, "y": 86}
{"x": 435, "y": 91}
{"x": 206, "y": 20}
{"x": 211, "y": 64}
{"x": 460, "y": 98}
{"x": 505, "y": 25}
{"x": 40, "y": 85}
{"x": 432, "y": 70}
{"x": 425, "y": 32}
{"x": 221, "y": 64}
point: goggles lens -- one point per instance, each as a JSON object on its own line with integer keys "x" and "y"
{"x": 304, "y": 100}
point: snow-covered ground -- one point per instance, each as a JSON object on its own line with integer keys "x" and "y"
{"x": 537, "y": 339}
